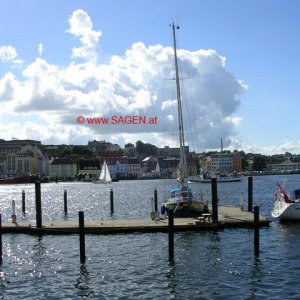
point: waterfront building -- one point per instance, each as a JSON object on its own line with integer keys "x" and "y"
{"x": 20, "y": 157}
{"x": 62, "y": 168}
{"x": 3, "y": 162}
{"x": 118, "y": 167}
{"x": 222, "y": 162}
{"x": 172, "y": 152}
{"x": 89, "y": 169}
{"x": 134, "y": 167}
{"x": 237, "y": 162}
{"x": 205, "y": 164}
{"x": 169, "y": 167}
{"x": 102, "y": 146}
{"x": 285, "y": 166}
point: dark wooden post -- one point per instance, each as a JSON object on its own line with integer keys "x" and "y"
{"x": 250, "y": 193}
{"x": 0, "y": 239}
{"x": 256, "y": 230}
{"x": 38, "y": 204}
{"x": 81, "y": 237}
{"x": 23, "y": 202}
{"x": 13, "y": 215}
{"x": 171, "y": 235}
{"x": 155, "y": 201}
{"x": 65, "y": 202}
{"x": 214, "y": 199}
{"x": 111, "y": 201}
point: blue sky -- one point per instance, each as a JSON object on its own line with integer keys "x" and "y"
{"x": 257, "y": 41}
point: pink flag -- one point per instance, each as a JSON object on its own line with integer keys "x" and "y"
{"x": 282, "y": 192}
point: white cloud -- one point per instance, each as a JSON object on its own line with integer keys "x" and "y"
{"x": 81, "y": 26}
{"x": 136, "y": 83}
{"x": 8, "y": 54}
{"x": 168, "y": 104}
{"x": 40, "y": 49}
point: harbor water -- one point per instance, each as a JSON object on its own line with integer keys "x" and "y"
{"x": 208, "y": 264}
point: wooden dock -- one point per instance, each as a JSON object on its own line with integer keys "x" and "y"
{"x": 228, "y": 217}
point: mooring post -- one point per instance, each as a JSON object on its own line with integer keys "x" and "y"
{"x": 13, "y": 214}
{"x": 250, "y": 193}
{"x": 214, "y": 199}
{"x": 0, "y": 239}
{"x": 256, "y": 230}
{"x": 111, "y": 201}
{"x": 171, "y": 235}
{"x": 23, "y": 202}
{"x": 65, "y": 202}
{"x": 81, "y": 237}
{"x": 155, "y": 201}
{"x": 38, "y": 204}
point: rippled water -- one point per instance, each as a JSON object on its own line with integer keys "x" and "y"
{"x": 208, "y": 265}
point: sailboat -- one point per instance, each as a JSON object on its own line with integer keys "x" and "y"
{"x": 286, "y": 208}
{"x": 104, "y": 175}
{"x": 181, "y": 200}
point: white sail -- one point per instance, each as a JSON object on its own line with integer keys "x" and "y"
{"x": 105, "y": 175}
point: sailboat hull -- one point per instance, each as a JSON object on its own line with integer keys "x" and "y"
{"x": 286, "y": 211}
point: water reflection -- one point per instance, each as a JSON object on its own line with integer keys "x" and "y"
{"x": 172, "y": 280}
{"x": 256, "y": 276}
{"x": 83, "y": 282}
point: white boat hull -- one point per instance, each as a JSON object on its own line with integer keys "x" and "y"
{"x": 286, "y": 211}
{"x": 219, "y": 179}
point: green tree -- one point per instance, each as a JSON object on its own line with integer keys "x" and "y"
{"x": 259, "y": 162}
{"x": 147, "y": 149}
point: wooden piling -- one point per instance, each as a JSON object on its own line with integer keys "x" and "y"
{"x": 38, "y": 204}
{"x": 250, "y": 193}
{"x": 23, "y": 202}
{"x": 13, "y": 215}
{"x": 256, "y": 230}
{"x": 0, "y": 239}
{"x": 111, "y": 201}
{"x": 155, "y": 201}
{"x": 171, "y": 235}
{"x": 214, "y": 200}
{"x": 81, "y": 236}
{"x": 65, "y": 202}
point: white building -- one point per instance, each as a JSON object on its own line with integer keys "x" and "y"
{"x": 63, "y": 168}
{"x": 134, "y": 167}
{"x": 221, "y": 162}
{"x": 117, "y": 167}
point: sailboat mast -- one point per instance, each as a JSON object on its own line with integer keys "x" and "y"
{"x": 183, "y": 170}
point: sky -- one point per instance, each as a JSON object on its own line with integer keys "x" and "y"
{"x": 238, "y": 62}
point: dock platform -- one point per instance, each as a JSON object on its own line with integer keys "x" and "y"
{"x": 228, "y": 217}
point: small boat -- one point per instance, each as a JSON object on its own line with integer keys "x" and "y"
{"x": 181, "y": 200}
{"x": 224, "y": 177}
{"x": 14, "y": 180}
{"x": 286, "y": 208}
{"x": 104, "y": 175}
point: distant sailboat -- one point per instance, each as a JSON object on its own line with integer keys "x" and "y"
{"x": 104, "y": 175}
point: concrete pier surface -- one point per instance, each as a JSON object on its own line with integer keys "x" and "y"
{"x": 228, "y": 217}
